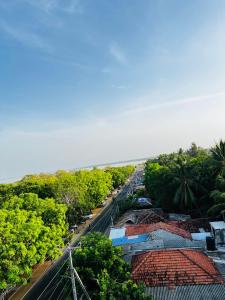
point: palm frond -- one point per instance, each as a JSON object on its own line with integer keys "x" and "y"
{"x": 216, "y": 209}
{"x": 177, "y": 195}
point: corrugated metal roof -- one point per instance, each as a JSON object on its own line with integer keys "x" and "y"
{"x": 194, "y": 292}
{"x": 200, "y": 236}
{"x": 217, "y": 225}
{"x": 130, "y": 240}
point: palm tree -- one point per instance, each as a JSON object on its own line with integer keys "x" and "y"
{"x": 184, "y": 195}
{"x": 218, "y": 153}
{"x": 219, "y": 206}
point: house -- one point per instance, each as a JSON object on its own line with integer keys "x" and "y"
{"x": 178, "y": 274}
{"x": 218, "y": 232}
{"x": 137, "y": 216}
{"x": 158, "y": 230}
{"x": 119, "y": 239}
{"x": 195, "y": 225}
{"x": 143, "y": 237}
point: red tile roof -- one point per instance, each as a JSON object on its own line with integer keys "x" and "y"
{"x": 174, "y": 268}
{"x": 147, "y": 228}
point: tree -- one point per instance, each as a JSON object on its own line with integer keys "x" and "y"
{"x": 185, "y": 179}
{"x": 218, "y": 195}
{"x": 98, "y": 260}
{"x": 52, "y": 213}
{"x": 119, "y": 174}
{"x": 218, "y": 153}
{"x": 196, "y": 151}
{"x": 25, "y": 241}
{"x": 184, "y": 195}
{"x": 99, "y": 184}
{"x": 219, "y": 203}
{"x": 43, "y": 185}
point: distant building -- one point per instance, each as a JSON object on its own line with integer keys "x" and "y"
{"x": 178, "y": 274}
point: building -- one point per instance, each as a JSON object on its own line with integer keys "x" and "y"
{"x": 138, "y": 216}
{"x": 143, "y": 237}
{"x": 218, "y": 232}
{"x": 178, "y": 274}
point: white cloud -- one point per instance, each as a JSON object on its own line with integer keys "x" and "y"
{"x": 117, "y": 53}
{"x": 172, "y": 103}
{"x": 26, "y": 38}
{"x": 69, "y": 6}
{"x": 157, "y": 129}
{"x": 119, "y": 86}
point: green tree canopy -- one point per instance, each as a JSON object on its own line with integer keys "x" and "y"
{"x": 98, "y": 259}
{"x": 183, "y": 181}
{"x": 25, "y": 241}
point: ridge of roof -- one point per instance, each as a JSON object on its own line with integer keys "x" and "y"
{"x": 130, "y": 230}
{"x": 175, "y": 267}
{"x": 198, "y": 264}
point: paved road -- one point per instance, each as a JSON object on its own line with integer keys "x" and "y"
{"x": 51, "y": 283}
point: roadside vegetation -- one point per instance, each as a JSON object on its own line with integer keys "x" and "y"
{"x": 191, "y": 181}
{"x": 104, "y": 271}
{"x": 36, "y": 213}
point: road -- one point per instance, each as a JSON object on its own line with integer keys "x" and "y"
{"x": 50, "y": 283}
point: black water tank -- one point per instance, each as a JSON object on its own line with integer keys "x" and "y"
{"x": 210, "y": 243}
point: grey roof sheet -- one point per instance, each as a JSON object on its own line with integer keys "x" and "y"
{"x": 187, "y": 292}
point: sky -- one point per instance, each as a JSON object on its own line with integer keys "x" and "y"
{"x": 85, "y": 82}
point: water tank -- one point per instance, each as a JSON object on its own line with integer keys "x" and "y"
{"x": 210, "y": 243}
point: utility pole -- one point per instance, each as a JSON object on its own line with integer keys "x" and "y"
{"x": 72, "y": 276}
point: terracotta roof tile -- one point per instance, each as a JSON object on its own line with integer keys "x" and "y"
{"x": 174, "y": 268}
{"x": 147, "y": 228}
{"x": 149, "y": 218}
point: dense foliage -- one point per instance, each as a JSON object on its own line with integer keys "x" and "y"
{"x": 188, "y": 181}
{"x": 119, "y": 175}
{"x": 103, "y": 270}
{"x": 31, "y": 230}
{"x": 36, "y": 212}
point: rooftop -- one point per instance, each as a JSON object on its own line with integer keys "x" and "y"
{"x": 127, "y": 240}
{"x": 151, "y": 215}
{"x": 218, "y": 225}
{"x": 147, "y": 228}
{"x": 150, "y": 218}
{"x": 116, "y": 233}
{"x": 187, "y": 292}
{"x": 195, "y": 225}
{"x": 173, "y": 268}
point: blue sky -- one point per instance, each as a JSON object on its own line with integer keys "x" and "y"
{"x": 86, "y": 81}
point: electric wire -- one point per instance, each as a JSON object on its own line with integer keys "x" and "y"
{"x": 55, "y": 287}
{"x": 59, "y": 296}
{"x": 52, "y": 279}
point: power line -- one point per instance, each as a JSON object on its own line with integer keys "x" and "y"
{"x": 56, "y": 285}
{"x": 52, "y": 279}
{"x": 59, "y": 297}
